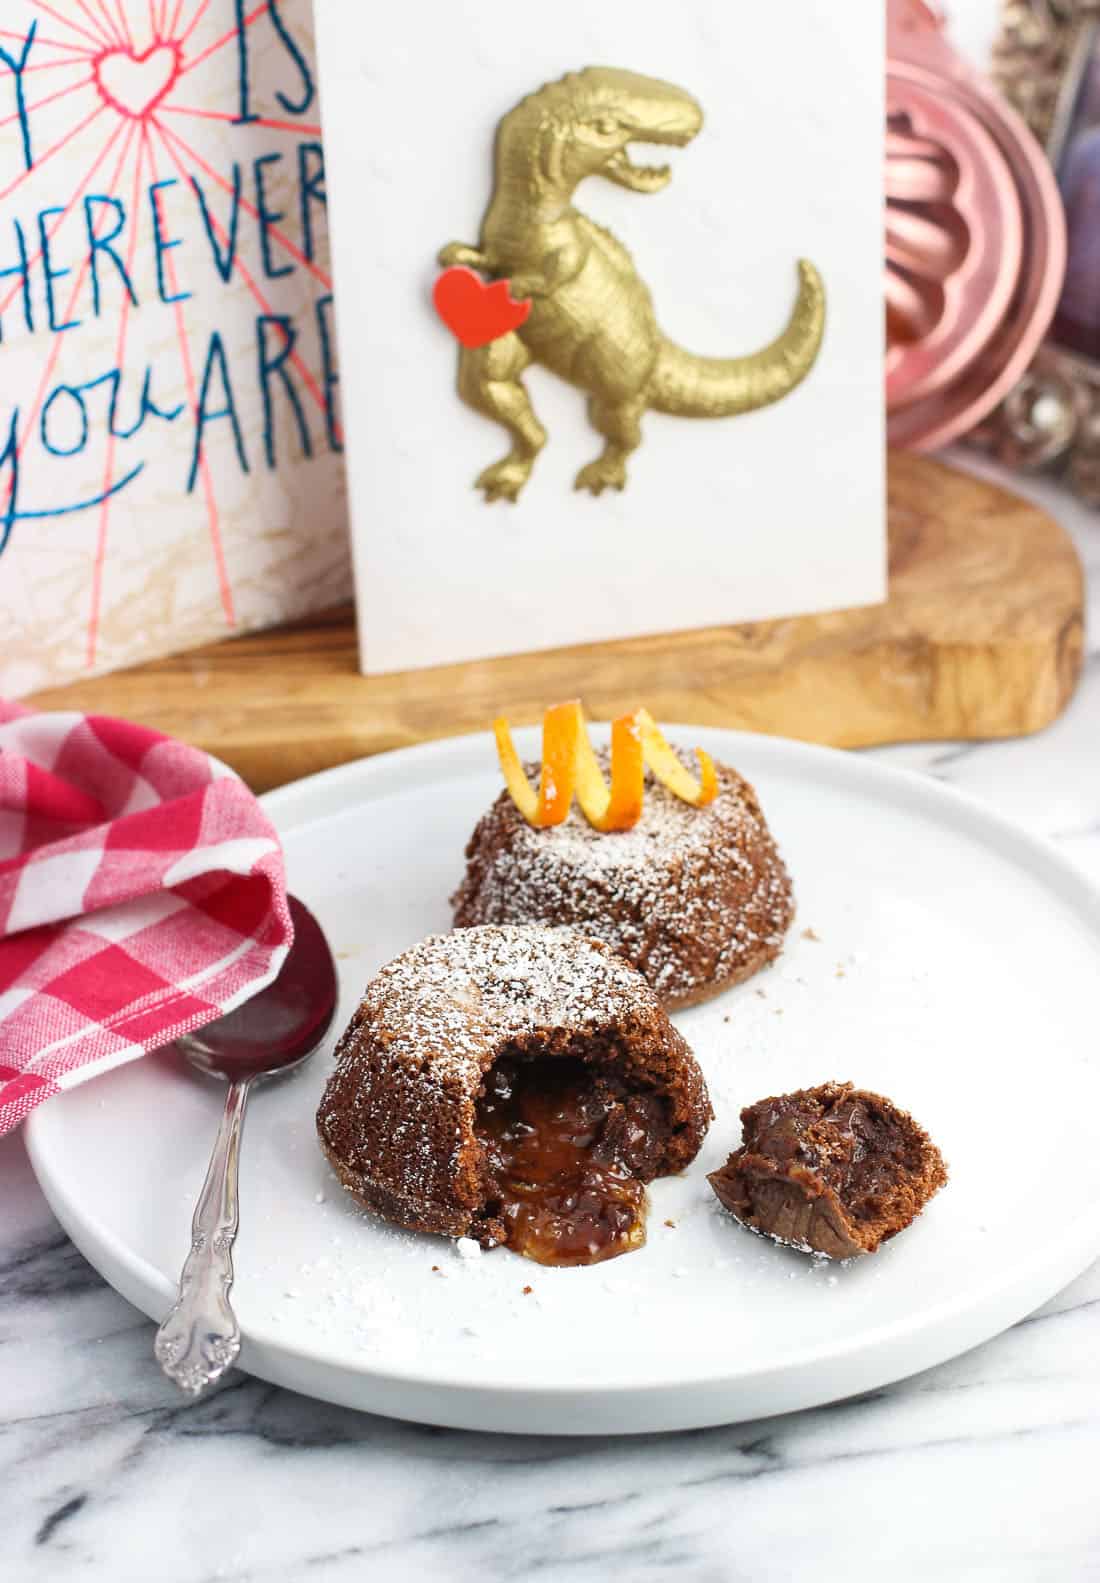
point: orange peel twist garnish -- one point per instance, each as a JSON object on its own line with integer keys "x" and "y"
{"x": 570, "y": 769}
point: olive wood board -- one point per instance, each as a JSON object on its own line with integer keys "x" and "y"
{"x": 981, "y": 636}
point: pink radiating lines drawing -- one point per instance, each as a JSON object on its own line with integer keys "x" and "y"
{"x": 91, "y": 43}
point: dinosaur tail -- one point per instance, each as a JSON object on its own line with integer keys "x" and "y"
{"x": 718, "y": 387}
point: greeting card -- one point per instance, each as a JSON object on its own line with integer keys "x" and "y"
{"x": 170, "y": 466}
{"x": 610, "y": 315}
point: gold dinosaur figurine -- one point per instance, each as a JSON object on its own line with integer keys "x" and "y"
{"x": 592, "y": 319}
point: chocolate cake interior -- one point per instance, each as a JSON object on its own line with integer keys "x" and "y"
{"x": 834, "y": 1170}
{"x": 568, "y": 1148}
{"x": 858, "y": 1150}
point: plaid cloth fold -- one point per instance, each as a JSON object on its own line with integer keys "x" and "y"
{"x": 142, "y": 894}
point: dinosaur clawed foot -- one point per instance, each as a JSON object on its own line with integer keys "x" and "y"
{"x": 606, "y": 472}
{"x": 458, "y": 253}
{"x": 504, "y": 480}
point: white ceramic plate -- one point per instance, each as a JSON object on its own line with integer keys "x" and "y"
{"x": 953, "y": 967}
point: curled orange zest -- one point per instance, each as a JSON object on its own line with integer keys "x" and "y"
{"x": 570, "y": 768}
{"x": 670, "y": 772}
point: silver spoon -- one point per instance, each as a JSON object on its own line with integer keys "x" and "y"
{"x": 277, "y": 1029}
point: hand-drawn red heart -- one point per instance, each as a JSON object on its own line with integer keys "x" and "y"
{"x": 135, "y": 84}
{"x": 476, "y": 313}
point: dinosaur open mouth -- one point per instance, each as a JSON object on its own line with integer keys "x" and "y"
{"x": 638, "y": 178}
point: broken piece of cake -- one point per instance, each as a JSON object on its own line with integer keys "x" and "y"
{"x": 834, "y": 1170}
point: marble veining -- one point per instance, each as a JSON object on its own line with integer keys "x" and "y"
{"x": 983, "y": 1468}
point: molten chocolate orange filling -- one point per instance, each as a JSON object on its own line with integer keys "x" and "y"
{"x": 564, "y": 1148}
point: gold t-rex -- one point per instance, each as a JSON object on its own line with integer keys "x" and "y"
{"x": 591, "y": 317}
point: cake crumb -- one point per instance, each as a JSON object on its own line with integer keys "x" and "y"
{"x": 467, "y": 1248}
{"x": 671, "y": 1223}
{"x": 810, "y": 934}
{"x": 527, "y": 1290}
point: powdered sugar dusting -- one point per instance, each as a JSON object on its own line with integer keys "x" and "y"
{"x": 458, "y": 994}
{"x": 693, "y": 897}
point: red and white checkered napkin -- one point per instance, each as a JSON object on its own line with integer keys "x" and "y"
{"x": 142, "y": 894}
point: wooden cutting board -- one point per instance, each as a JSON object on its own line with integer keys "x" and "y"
{"x": 981, "y": 637}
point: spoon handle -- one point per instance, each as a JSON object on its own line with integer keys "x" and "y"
{"x": 201, "y": 1338}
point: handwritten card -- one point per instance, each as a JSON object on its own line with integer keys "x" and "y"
{"x": 591, "y": 389}
{"x": 170, "y": 439}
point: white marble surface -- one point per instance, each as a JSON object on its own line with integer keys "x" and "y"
{"x": 982, "y": 1469}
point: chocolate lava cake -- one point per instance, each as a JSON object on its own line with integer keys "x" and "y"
{"x": 833, "y": 1170}
{"x": 697, "y": 899}
{"x": 514, "y": 1085}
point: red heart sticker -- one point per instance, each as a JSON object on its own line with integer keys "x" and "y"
{"x": 476, "y": 313}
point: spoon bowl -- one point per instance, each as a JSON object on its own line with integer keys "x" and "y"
{"x": 284, "y": 1024}
{"x": 275, "y": 1031}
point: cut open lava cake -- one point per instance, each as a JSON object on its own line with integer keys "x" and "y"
{"x": 514, "y": 1085}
